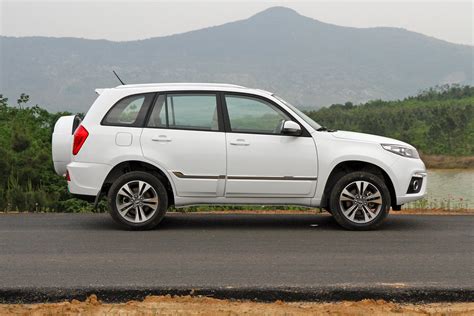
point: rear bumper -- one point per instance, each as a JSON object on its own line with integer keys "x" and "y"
{"x": 87, "y": 198}
{"x": 86, "y": 178}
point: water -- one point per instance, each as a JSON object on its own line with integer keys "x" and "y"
{"x": 450, "y": 189}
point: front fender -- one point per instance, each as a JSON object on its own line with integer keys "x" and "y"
{"x": 335, "y": 151}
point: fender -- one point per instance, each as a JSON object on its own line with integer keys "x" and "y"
{"x": 118, "y": 160}
{"x": 326, "y": 170}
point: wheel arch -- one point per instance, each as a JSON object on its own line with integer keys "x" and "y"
{"x": 347, "y": 166}
{"x": 137, "y": 165}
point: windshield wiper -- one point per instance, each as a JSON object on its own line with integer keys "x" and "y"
{"x": 325, "y": 129}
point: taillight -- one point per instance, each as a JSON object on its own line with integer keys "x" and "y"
{"x": 80, "y": 136}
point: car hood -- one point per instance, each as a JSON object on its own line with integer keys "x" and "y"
{"x": 368, "y": 138}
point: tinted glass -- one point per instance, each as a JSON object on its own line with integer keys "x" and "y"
{"x": 303, "y": 116}
{"x": 185, "y": 111}
{"x": 253, "y": 115}
{"x": 128, "y": 111}
{"x": 158, "y": 115}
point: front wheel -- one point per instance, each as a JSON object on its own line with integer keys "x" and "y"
{"x": 360, "y": 201}
{"x": 138, "y": 200}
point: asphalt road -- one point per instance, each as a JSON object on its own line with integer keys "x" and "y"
{"x": 56, "y": 256}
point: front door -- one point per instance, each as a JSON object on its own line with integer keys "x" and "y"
{"x": 261, "y": 162}
{"x": 183, "y": 135}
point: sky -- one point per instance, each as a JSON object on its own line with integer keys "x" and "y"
{"x": 131, "y": 20}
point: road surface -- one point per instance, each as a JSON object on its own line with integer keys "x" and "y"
{"x": 292, "y": 257}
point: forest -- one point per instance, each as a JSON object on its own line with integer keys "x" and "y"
{"x": 438, "y": 121}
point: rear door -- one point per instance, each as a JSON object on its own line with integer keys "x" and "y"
{"x": 184, "y": 135}
{"x": 261, "y": 162}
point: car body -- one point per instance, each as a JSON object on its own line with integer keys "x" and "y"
{"x": 226, "y": 144}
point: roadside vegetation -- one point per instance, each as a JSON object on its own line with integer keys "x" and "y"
{"x": 439, "y": 122}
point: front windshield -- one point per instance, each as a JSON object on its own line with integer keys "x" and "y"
{"x": 300, "y": 113}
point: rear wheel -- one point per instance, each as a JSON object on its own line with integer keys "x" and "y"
{"x": 138, "y": 200}
{"x": 360, "y": 201}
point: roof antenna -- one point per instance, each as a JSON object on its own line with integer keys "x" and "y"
{"x": 118, "y": 77}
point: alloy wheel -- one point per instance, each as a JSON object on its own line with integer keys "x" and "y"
{"x": 360, "y": 202}
{"x": 137, "y": 201}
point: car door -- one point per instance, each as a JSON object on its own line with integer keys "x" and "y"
{"x": 261, "y": 162}
{"x": 183, "y": 135}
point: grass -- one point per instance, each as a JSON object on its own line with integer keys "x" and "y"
{"x": 450, "y": 203}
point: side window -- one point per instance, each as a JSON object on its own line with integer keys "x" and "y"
{"x": 158, "y": 115}
{"x": 185, "y": 111}
{"x": 252, "y": 115}
{"x": 130, "y": 111}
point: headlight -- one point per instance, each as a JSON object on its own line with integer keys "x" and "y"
{"x": 401, "y": 150}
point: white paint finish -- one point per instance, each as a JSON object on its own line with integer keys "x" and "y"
{"x": 292, "y": 127}
{"x": 334, "y": 150}
{"x": 270, "y": 188}
{"x": 123, "y": 139}
{"x": 62, "y": 143}
{"x": 101, "y": 147}
{"x": 87, "y": 178}
{"x": 220, "y": 200}
{"x": 254, "y": 155}
{"x": 211, "y": 154}
{"x": 404, "y": 172}
{"x": 193, "y": 153}
{"x": 361, "y": 137}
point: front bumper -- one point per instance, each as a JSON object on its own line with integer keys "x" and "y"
{"x": 410, "y": 197}
{"x": 404, "y": 170}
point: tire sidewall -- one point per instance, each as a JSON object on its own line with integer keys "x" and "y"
{"x": 342, "y": 183}
{"x": 162, "y": 200}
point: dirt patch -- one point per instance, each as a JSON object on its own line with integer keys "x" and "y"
{"x": 187, "y": 305}
{"x": 448, "y": 162}
{"x": 434, "y": 211}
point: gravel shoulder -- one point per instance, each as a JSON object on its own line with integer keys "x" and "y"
{"x": 187, "y": 305}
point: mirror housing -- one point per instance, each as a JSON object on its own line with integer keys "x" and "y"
{"x": 291, "y": 128}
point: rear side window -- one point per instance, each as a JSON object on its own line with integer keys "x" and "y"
{"x": 129, "y": 111}
{"x": 185, "y": 111}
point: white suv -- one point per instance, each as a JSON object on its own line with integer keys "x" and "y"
{"x": 152, "y": 146}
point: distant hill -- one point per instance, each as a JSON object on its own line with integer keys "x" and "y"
{"x": 306, "y": 61}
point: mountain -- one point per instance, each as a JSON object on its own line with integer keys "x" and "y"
{"x": 308, "y": 62}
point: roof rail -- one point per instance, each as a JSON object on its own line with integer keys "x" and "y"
{"x": 202, "y": 84}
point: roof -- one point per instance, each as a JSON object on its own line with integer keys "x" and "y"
{"x": 190, "y": 86}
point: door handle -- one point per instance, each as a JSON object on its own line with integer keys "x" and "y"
{"x": 161, "y": 138}
{"x": 239, "y": 142}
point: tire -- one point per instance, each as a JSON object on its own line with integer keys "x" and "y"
{"x": 136, "y": 210}
{"x": 355, "y": 211}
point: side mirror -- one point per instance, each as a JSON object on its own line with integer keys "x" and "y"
{"x": 291, "y": 128}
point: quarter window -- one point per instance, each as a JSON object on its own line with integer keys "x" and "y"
{"x": 252, "y": 115}
{"x": 185, "y": 111}
{"x": 129, "y": 111}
